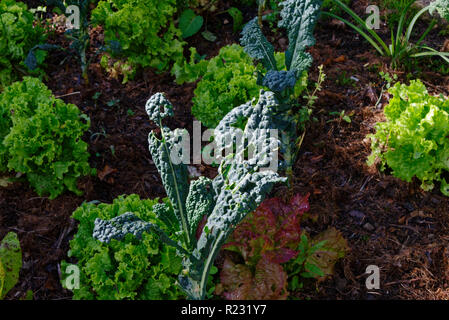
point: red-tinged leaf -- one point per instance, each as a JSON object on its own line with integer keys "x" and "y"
{"x": 199, "y": 229}
{"x": 236, "y": 280}
{"x": 289, "y": 233}
{"x": 282, "y": 255}
{"x": 269, "y": 281}
{"x": 300, "y": 203}
{"x": 107, "y": 170}
{"x": 275, "y": 206}
{"x": 334, "y": 249}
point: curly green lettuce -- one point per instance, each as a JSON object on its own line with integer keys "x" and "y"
{"x": 131, "y": 269}
{"x": 143, "y": 29}
{"x": 414, "y": 141}
{"x": 228, "y": 82}
{"x": 18, "y": 35}
{"x": 40, "y": 136}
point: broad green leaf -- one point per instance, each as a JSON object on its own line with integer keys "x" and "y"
{"x": 190, "y": 23}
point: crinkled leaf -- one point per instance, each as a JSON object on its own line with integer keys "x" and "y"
{"x": 324, "y": 259}
{"x": 269, "y": 281}
{"x": 278, "y": 81}
{"x": 199, "y": 202}
{"x": 174, "y": 176}
{"x": 257, "y": 46}
{"x": 299, "y": 17}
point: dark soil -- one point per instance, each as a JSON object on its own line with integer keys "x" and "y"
{"x": 387, "y": 223}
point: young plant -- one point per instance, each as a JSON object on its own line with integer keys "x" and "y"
{"x": 240, "y": 186}
{"x": 316, "y": 257}
{"x": 79, "y": 35}
{"x": 413, "y": 141}
{"x": 401, "y": 49}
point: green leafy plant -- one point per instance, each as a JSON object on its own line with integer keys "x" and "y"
{"x": 18, "y": 35}
{"x": 238, "y": 189}
{"x": 141, "y": 31}
{"x": 40, "y": 136}
{"x": 342, "y": 116}
{"x": 144, "y": 269}
{"x": 316, "y": 257}
{"x": 388, "y": 78}
{"x": 394, "y": 9}
{"x": 227, "y": 82}
{"x": 413, "y": 141}
{"x": 299, "y": 18}
{"x": 10, "y": 263}
{"x": 402, "y": 49}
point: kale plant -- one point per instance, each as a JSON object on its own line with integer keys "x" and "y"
{"x": 240, "y": 186}
{"x": 299, "y": 18}
{"x": 78, "y": 35}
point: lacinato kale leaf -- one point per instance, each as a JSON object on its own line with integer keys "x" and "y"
{"x": 299, "y": 18}
{"x": 257, "y": 46}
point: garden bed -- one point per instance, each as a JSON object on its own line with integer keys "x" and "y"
{"x": 386, "y": 222}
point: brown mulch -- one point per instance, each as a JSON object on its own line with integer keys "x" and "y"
{"x": 387, "y": 223}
